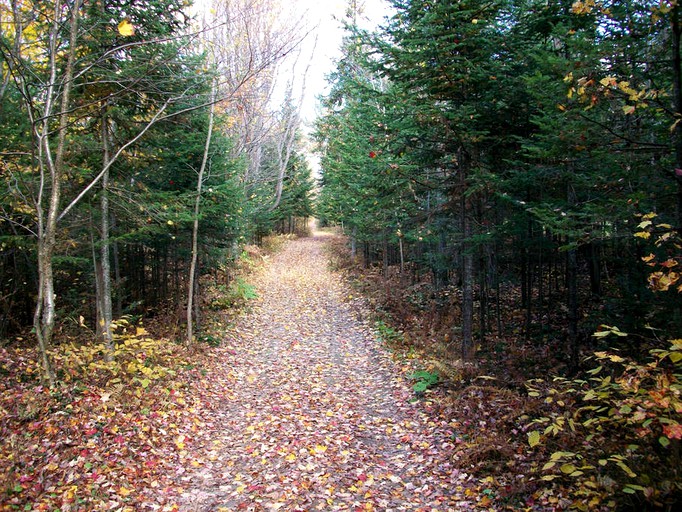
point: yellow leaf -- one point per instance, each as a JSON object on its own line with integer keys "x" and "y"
{"x": 628, "y": 109}
{"x": 608, "y": 81}
{"x": 180, "y": 442}
{"x": 290, "y": 458}
{"x": 123, "y": 491}
{"x": 534, "y": 438}
{"x": 126, "y": 29}
{"x": 567, "y": 469}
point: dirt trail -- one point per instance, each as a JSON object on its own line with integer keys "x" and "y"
{"x": 311, "y": 413}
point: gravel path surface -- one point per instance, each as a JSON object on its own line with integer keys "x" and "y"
{"x": 310, "y": 412}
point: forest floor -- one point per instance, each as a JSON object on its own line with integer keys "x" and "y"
{"x": 307, "y": 399}
{"x": 309, "y": 412}
{"x": 294, "y": 404}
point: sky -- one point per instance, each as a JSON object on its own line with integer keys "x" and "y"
{"x": 322, "y": 47}
{"x": 326, "y": 16}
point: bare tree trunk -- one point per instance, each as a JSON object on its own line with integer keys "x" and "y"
{"x": 402, "y": 254}
{"x": 354, "y": 244}
{"x": 105, "y": 251}
{"x": 572, "y": 299}
{"x": 384, "y": 255}
{"x": 195, "y": 227}
{"x": 676, "y": 30}
{"x": 572, "y": 293}
{"x": 467, "y": 264}
{"x": 98, "y": 278}
{"x": 467, "y": 286}
{"x": 118, "y": 309}
{"x": 47, "y": 221}
{"x": 285, "y": 144}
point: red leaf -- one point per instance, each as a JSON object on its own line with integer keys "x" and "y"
{"x": 673, "y": 431}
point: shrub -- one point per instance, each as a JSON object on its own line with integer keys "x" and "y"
{"x": 424, "y": 380}
{"x": 617, "y": 434}
{"x": 237, "y": 295}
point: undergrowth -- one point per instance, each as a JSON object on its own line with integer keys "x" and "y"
{"x": 86, "y": 443}
{"x": 606, "y": 439}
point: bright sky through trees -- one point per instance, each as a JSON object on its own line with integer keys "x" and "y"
{"x": 324, "y": 20}
{"x": 327, "y": 18}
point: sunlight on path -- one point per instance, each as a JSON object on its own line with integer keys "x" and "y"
{"x": 315, "y": 415}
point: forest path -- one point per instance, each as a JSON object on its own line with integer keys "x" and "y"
{"x": 309, "y": 412}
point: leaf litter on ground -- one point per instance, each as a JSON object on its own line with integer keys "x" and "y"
{"x": 311, "y": 412}
{"x": 299, "y": 408}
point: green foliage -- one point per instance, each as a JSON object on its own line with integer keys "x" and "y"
{"x": 424, "y": 380}
{"x": 521, "y": 133}
{"x": 237, "y": 295}
{"x": 134, "y": 64}
{"x": 210, "y": 340}
{"x": 618, "y": 431}
{"x": 388, "y": 334}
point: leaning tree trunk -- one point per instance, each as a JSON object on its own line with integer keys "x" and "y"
{"x": 195, "y": 228}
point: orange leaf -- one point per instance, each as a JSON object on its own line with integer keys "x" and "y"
{"x": 673, "y": 431}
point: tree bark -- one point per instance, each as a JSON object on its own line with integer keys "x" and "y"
{"x": 467, "y": 287}
{"x": 677, "y": 100}
{"x": 195, "y": 227}
{"x": 105, "y": 250}
{"x": 44, "y": 317}
{"x": 467, "y": 264}
{"x": 572, "y": 293}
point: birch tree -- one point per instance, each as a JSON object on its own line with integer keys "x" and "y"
{"x": 46, "y": 69}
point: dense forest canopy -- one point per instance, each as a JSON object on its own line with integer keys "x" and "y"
{"x": 510, "y": 171}
{"x": 516, "y": 145}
